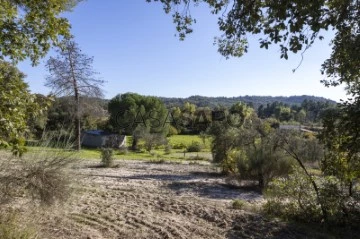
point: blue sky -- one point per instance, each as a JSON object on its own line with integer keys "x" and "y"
{"x": 135, "y": 50}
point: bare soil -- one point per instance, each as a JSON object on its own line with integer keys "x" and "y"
{"x": 147, "y": 200}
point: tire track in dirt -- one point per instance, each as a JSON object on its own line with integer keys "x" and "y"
{"x": 135, "y": 201}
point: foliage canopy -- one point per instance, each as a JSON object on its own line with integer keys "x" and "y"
{"x": 30, "y": 28}
{"x": 17, "y": 107}
{"x": 294, "y": 25}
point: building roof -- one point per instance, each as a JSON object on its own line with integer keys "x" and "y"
{"x": 98, "y": 132}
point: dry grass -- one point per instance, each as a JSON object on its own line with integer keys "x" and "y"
{"x": 43, "y": 176}
{"x": 28, "y": 186}
{"x": 145, "y": 200}
{"x": 13, "y": 226}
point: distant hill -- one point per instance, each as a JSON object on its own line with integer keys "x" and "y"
{"x": 256, "y": 101}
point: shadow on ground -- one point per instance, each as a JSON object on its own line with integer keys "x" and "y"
{"x": 257, "y": 226}
{"x": 213, "y": 190}
{"x": 208, "y": 185}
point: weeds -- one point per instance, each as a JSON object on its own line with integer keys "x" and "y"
{"x": 194, "y": 147}
{"x": 107, "y": 157}
{"x": 157, "y": 161}
{"x": 12, "y": 228}
{"x": 238, "y": 204}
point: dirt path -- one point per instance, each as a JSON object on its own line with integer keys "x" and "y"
{"x": 143, "y": 200}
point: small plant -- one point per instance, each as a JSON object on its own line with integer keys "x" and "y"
{"x": 43, "y": 177}
{"x": 179, "y": 146}
{"x": 123, "y": 151}
{"x": 238, "y": 204}
{"x": 194, "y": 147}
{"x": 107, "y": 158}
{"x": 167, "y": 149}
{"x": 198, "y": 158}
{"x": 157, "y": 161}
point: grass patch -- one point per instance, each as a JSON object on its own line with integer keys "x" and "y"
{"x": 11, "y": 227}
{"x": 157, "y": 161}
{"x": 175, "y": 154}
{"x": 188, "y": 139}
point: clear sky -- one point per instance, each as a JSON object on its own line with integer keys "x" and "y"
{"x": 135, "y": 50}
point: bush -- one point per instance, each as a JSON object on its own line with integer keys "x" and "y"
{"x": 107, "y": 158}
{"x": 172, "y": 131}
{"x": 157, "y": 161}
{"x": 238, "y": 204}
{"x": 179, "y": 146}
{"x": 261, "y": 164}
{"x": 198, "y": 158}
{"x": 194, "y": 147}
{"x": 167, "y": 149}
{"x": 123, "y": 151}
{"x": 42, "y": 176}
{"x": 294, "y": 198}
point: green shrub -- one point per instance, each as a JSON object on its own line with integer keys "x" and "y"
{"x": 107, "y": 158}
{"x": 123, "y": 151}
{"x": 198, "y": 158}
{"x": 167, "y": 149}
{"x": 238, "y": 204}
{"x": 261, "y": 164}
{"x": 194, "y": 147}
{"x": 295, "y": 198}
{"x": 157, "y": 161}
{"x": 292, "y": 198}
{"x": 179, "y": 146}
{"x": 172, "y": 131}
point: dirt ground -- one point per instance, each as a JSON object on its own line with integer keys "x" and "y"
{"x": 148, "y": 200}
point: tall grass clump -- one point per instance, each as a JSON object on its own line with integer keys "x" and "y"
{"x": 42, "y": 174}
{"x": 40, "y": 178}
{"x": 107, "y": 157}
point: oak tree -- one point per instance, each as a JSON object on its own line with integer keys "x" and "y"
{"x": 17, "y": 107}
{"x": 293, "y": 25}
{"x": 30, "y": 28}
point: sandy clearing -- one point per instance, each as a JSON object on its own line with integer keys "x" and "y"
{"x": 144, "y": 200}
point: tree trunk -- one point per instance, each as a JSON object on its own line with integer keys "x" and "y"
{"x": 261, "y": 180}
{"x": 134, "y": 143}
{"x": 77, "y": 103}
{"x": 312, "y": 181}
{"x": 77, "y": 122}
{"x": 350, "y": 188}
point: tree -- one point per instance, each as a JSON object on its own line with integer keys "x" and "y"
{"x": 18, "y": 106}
{"x": 60, "y": 115}
{"x": 29, "y": 28}
{"x": 262, "y": 159}
{"x": 341, "y": 138}
{"x": 296, "y": 147}
{"x": 130, "y": 113}
{"x": 229, "y": 133}
{"x": 249, "y": 148}
{"x": 37, "y": 125}
{"x": 153, "y": 140}
{"x": 71, "y": 74}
